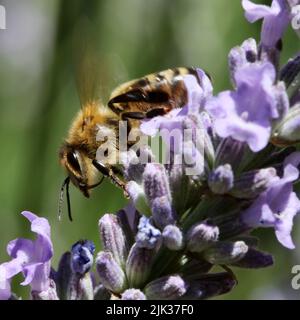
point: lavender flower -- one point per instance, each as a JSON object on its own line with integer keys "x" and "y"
{"x": 5, "y": 276}
{"x": 276, "y": 19}
{"x": 226, "y": 252}
{"x": 246, "y": 119}
{"x": 287, "y": 131}
{"x": 113, "y": 237}
{"x": 220, "y": 180}
{"x": 251, "y": 184}
{"x": 197, "y": 96}
{"x": 147, "y": 236}
{"x": 241, "y": 56}
{"x": 133, "y": 294}
{"x": 138, "y": 265}
{"x": 172, "y": 287}
{"x": 181, "y": 222}
{"x": 201, "y": 236}
{"x": 110, "y": 273}
{"x": 208, "y": 286}
{"x": 277, "y": 206}
{"x": 82, "y": 256}
{"x": 157, "y": 190}
{"x": 171, "y": 127}
{"x": 173, "y": 237}
{"x": 32, "y": 258}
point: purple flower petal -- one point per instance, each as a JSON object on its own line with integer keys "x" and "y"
{"x": 278, "y": 205}
{"x": 276, "y": 19}
{"x": 284, "y": 223}
{"x": 241, "y": 56}
{"x": 254, "y": 12}
{"x": 246, "y": 114}
{"x": 5, "y": 292}
{"x": 32, "y": 258}
{"x": 197, "y": 94}
{"x": 172, "y": 120}
{"x": 20, "y": 248}
{"x": 171, "y": 124}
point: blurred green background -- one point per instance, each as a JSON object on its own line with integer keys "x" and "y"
{"x": 38, "y": 100}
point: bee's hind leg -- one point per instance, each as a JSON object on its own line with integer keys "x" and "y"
{"x": 158, "y": 111}
{"x": 133, "y": 115}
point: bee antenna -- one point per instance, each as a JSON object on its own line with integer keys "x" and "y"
{"x": 68, "y": 200}
{"x": 61, "y": 199}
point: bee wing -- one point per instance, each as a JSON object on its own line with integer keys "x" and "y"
{"x": 89, "y": 67}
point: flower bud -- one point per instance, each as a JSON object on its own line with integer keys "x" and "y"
{"x": 225, "y": 252}
{"x": 287, "y": 131}
{"x": 138, "y": 197}
{"x": 220, "y": 180}
{"x": 133, "y": 169}
{"x": 138, "y": 265}
{"x": 101, "y": 293}
{"x": 201, "y": 236}
{"x": 63, "y": 276}
{"x": 255, "y": 259}
{"x": 134, "y": 162}
{"x": 49, "y": 294}
{"x": 129, "y": 218}
{"x": 290, "y": 71}
{"x": 209, "y": 286}
{"x": 133, "y": 294}
{"x": 156, "y": 186}
{"x": 231, "y": 152}
{"x": 295, "y": 98}
{"x": 194, "y": 268}
{"x": 166, "y": 288}
{"x": 172, "y": 237}
{"x": 81, "y": 287}
{"x": 156, "y": 182}
{"x": 193, "y": 159}
{"x": 250, "y": 184}
{"x": 282, "y": 100}
{"x": 196, "y": 132}
{"x": 147, "y": 236}
{"x": 242, "y": 55}
{"x": 162, "y": 212}
{"x": 178, "y": 183}
{"x": 82, "y": 256}
{"x": 113, "y": 238}
{"x": 110, "y": 273}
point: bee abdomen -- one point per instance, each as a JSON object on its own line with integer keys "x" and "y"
{"x": 165, "y": 89}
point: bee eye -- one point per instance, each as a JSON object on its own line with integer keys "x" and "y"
{"x": 73, "y": 161}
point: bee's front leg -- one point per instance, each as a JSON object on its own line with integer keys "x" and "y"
{"x": 108, "y": 172}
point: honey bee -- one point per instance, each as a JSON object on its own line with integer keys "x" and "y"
{"x": 152, "y": 95}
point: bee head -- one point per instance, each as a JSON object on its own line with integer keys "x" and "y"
{"x": 77, "y": 168}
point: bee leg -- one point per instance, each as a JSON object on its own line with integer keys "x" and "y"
{"x": 133, "y": 115}
{"x": 130, "y": 96}
{"x": 108, "y": 172}
{"x": 159, "y": 111}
